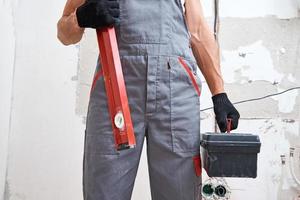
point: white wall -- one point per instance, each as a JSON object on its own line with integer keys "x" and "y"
{"x": 45, "y": 136}
{"x": 7, "y": 48}
{"x": 44, "y": 93}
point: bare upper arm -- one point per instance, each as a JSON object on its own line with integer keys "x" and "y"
{"x": 194, "y": 15}
{"x": 71, "y": 6}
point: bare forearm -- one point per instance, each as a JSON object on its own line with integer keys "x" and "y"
{"x": 68, "y": 31}
{"x": 206, "y": 52}
{"x": 205, "y": 48}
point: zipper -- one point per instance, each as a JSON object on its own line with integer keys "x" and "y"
{"x": 191, "y": 75}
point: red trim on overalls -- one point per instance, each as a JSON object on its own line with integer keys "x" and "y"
{"x": 197, "y": 165}
{"x": 191, "y": 75}
{"x": 97, "y": 76}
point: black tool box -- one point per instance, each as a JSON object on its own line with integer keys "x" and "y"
{"x": 230, "y": 154}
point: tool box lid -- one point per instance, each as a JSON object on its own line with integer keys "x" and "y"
{"x": 233, "y": 142}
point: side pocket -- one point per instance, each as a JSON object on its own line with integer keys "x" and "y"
{"x": 190, "y": 74}
{"x": 184, "y": 110}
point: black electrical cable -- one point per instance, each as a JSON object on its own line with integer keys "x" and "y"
{"x": 216, "y": 19}
{"x": 259, "y": 98}
{"x": 216, "y": 34}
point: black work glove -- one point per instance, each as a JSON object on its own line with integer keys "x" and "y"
{"x": 98, "y": 13}
{"x": 225, "y": 110}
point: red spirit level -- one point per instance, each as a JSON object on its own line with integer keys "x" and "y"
{"x": 115, "y": 89}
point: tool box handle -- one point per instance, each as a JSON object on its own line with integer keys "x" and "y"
{"x": 229, "y": 125}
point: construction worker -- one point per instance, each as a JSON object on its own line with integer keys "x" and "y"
{"x": 160, "y": 46}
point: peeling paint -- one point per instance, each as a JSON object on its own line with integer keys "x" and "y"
{"x": 253, "y": 62}
{"x": 267, "y": 49}
{"x": 289, "y": 120}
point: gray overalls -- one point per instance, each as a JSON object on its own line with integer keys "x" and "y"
{"x": 163, "y": 92}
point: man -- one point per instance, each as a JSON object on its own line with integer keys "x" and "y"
{"x": 158, "y": 43}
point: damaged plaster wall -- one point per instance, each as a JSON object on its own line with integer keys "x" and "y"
{"x": 266, "y": 55}
{"x": 260, "y": 55}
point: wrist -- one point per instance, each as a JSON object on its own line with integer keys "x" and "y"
{"x": 215, "y": 84}
{"x": 220, "y": 98}
{"x": 218, "y": 91}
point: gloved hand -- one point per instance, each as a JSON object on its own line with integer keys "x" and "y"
{"x": 225, "y": 110}
{"x": 98, "y": 13}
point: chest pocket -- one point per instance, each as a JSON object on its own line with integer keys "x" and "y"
{"x": 145, "y": 21}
